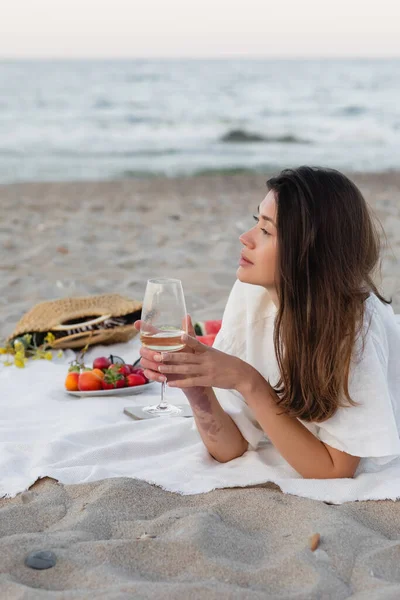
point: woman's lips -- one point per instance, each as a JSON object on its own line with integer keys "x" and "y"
{"x": 244, "y": 262}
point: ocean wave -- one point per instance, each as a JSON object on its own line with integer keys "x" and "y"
{"x": 137, "y": 174}
{"x": 133, "y": 173}
{"x": 101, "y": 103}
{"x": 91, "y": 153}
{"x": 235, "y": 136}
{"x": 352, "y": 111}
{"x": 228, "y": 171}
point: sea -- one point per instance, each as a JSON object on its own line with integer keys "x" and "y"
{"x": 113, "y": 119}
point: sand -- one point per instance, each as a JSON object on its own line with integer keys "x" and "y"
{"x": 87, "y": 238}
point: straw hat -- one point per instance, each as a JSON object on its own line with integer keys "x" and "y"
{"x": 75, "y": 322}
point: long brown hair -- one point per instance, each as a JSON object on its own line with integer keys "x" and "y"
{"x": 328, "y": 249}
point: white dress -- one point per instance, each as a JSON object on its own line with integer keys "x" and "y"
{"x": 370, "y": 430}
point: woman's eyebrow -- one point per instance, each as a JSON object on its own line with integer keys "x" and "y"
{"x": 265, "y": 218}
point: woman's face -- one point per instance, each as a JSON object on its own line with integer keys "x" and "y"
{"x": 260, "y": 247}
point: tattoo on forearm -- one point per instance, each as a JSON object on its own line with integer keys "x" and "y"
{"x": 201, "y": 405}
{"x": 199, "y": 400}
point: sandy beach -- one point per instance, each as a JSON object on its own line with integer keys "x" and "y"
{"x": 124, "y": 538}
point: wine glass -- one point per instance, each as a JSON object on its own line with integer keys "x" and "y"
{"x": 163, "y": 322}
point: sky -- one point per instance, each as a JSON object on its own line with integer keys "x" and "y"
{"x": 199, "y": 28}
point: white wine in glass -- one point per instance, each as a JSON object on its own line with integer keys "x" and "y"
{"x": 163, "y": 322}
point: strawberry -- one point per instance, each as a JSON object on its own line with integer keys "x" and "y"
{"x": 125, "y": 370}
{"x": 135, "y": 379}
{"x": 120, "y": 383}
{"x": 113, "y": 379}
{"x": 139, "y": 371}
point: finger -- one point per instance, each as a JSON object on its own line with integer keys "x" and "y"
{"x": 179, "y": 369}
{"x": 187, "y": 325}
{"x": 190, "y": 328}
{"x": 177, "y": 358}
{"x": 188, "y": 382}
{"x": 194, "y": 344}
{"x": 154, "y": 376}
{"x": 148, "y": 364}
{"x": 147, "y": 353}
{"x": 147, "y": 328}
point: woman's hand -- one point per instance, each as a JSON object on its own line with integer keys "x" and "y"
{"x": 199, "y": 365}
{"x": 147, "y": 362}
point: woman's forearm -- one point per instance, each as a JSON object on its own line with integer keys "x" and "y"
{"x": 298, "y": 446}
{"x": 218, "y": 431}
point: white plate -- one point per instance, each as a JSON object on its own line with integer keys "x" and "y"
{"x": 126, "y": 391}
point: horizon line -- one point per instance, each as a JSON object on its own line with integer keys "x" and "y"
{"x": 196, "y": 58}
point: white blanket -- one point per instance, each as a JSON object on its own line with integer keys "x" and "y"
{"x": 47, "y": 432}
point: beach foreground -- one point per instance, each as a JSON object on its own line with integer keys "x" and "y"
{"x": 94, "y": 238}
{"x": 122, "y": 538}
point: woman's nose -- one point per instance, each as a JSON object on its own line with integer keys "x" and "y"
{"x": 246, "y": 239}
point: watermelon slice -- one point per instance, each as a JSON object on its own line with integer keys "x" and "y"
{"x": 208, "y": 340}
{"x": 207, "y": 327}
{"x": 212, "y": 326}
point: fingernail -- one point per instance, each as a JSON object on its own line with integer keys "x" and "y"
{"x": 158, "y": 357}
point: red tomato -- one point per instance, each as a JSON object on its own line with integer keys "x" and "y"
{"x": 135, "y": 379}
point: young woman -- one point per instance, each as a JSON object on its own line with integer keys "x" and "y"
{"x": 307, "y": 356}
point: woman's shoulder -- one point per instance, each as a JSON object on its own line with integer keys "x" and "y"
{"x": 382, "y": 325}
{"x": 247, "y": 303}
{"x": 381, "y": 315}
{"x": 247, "y": 306}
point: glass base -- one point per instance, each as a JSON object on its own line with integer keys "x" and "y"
{"x": 169, "y": 409}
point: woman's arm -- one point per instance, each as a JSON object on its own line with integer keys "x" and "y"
{"x": 303, "y": 451}
{"x": 218, "y": 431}
{"x": 208, "y": 368}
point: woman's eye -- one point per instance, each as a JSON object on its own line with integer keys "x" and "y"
{"x": 265, "y": 232}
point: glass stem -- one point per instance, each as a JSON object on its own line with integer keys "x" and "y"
{"x": 163, "y": 402}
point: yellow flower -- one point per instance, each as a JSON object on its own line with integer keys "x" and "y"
{"x": 60, "y": 354}
{"x": 19, "y": 362}
{"x": 3, "y": 351}
{"x": 18, "y": 345}
{"x": 50, "y": 337}
{"x": 48, "y": 355}
{"x": 7, "y": 363}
